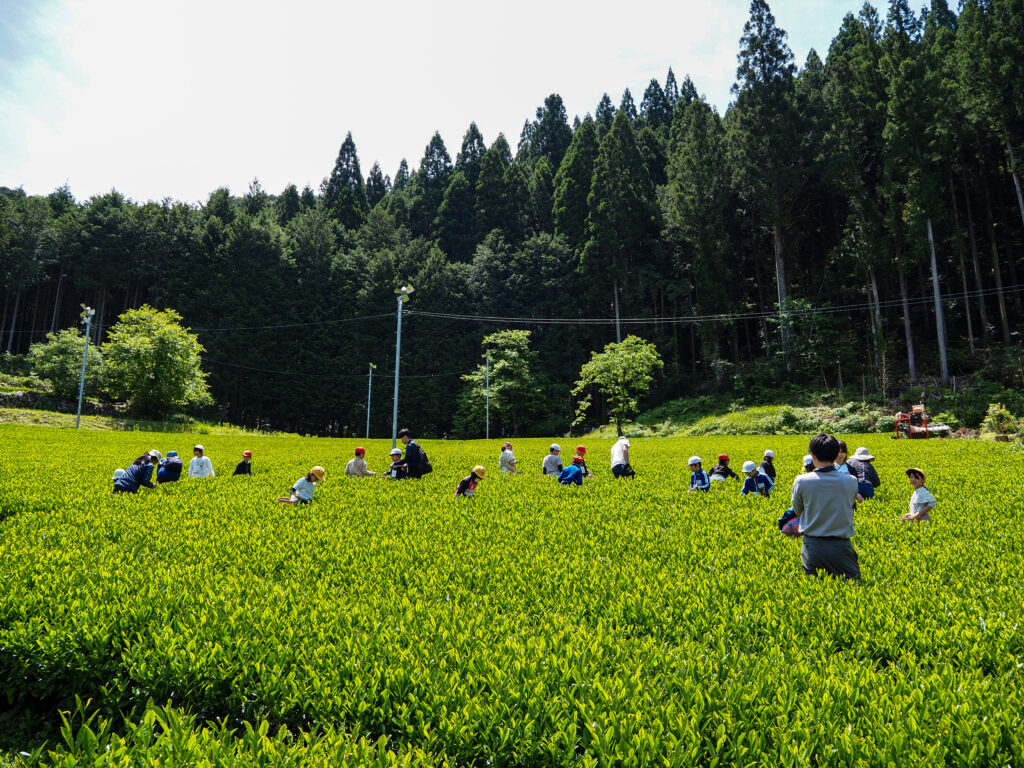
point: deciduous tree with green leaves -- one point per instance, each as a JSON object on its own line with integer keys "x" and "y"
{"x": 59, "y": 359}
{"x": 153, "y": 363}
{"x": 622, "y": 373}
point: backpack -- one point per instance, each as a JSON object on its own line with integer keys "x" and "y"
{"x": 425, "y": 467}
{"x": 789, "y": 523}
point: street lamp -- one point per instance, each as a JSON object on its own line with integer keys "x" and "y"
{"x": 403, "y": 296}
{"x": 87, "y": 313}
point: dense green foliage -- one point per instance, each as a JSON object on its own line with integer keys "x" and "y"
{"x": 153, "y": 363}
{"x": 621, "y": 374}
{"x": 59, "y": 360}
{"x": 625, "y": 623}
{"x": 811, "y": 233}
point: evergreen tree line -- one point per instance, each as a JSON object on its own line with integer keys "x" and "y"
{"x": 855, "y": 221}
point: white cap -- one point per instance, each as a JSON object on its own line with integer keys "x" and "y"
{"x": 198, "y": 448}
{"x": 155, "y": 454}
{"x": 694, "y": 460}
{"x": 555, "y": 447}
{"x": 118, "y": 473}
{"x": 749, "y": 466}
{"x": 769, "y": 454}
{"x": 624, "y": 440}
{"x": 808, "y": 459}
{"x": 395, "y": 452}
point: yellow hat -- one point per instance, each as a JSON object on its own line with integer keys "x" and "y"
{"x": 479, "y": 471}
{"x": 318, "y": 473}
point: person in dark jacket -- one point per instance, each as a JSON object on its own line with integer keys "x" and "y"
{"x": 757, "y": 482}
{"x": 722, "y": 470}
{"x": 244, "y": 467}
{"x": 467, "y": 485}
{"x": 169, "y": 469}
{"x": 768, "y": 465}
{"x": 581, "y": 451}
{"x": 397, "y": 470}
{"x": 572, "y": 474}
{"x": 140, "y": 473}
{"x": 415, "y": 460}
{"x": 867, "y": 476}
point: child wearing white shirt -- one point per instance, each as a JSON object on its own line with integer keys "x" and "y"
{"x": 921, "y": 500}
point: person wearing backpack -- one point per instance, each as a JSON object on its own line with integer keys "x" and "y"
{"x": 169, "y": 470}
{"x": 416, "y": 461}
{"x": 140, "y": 473}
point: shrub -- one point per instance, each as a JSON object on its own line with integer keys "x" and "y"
{"x": 59, "y": 359}
{"x": 999, "y": 420}
{"x": 854, "y": 424}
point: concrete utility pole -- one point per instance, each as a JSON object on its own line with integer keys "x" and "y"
{"x": 369, "y": 394}
{"x": 403, "y": 296}
{"x": 87, "y": 314}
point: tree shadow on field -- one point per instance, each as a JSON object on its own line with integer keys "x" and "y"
{"x": 26, "y": 730}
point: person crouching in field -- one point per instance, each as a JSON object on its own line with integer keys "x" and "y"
{"x": 572, "y": 474}
{"x": 169, "y": 469}
{"x": 921, "y": 500}
{"x": 302, "y": 489}
{"x": 721, "y": 470}
{"x": 398, "y": 470}
{"x": 699, "y": 479}
{"x": 507, "y": 462}
{"x": 356, "y": 467}
{"x": 140, "y": 473}
{"x": 244, "y": 467}
{"x": 756, "y": 481}
{"x": 467, "y": 485}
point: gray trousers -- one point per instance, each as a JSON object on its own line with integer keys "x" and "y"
{"x": 835, "y": 556}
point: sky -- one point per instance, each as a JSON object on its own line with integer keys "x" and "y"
{"x": 161, "y": 99}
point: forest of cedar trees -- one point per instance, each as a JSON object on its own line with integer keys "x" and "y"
{"x": 856, "y": 221}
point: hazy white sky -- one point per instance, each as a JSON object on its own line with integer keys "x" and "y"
{"x": 163, "y": 99}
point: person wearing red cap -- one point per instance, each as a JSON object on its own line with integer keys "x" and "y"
{"x": 507, "y": 460}
{"x": 572, "y": 474}
{"x": 581, "y": 452}
{"x": 245, "y": 465}
{"x": 357, "y": 467}
{"x": 721, "y": 470}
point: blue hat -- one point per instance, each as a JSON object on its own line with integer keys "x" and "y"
{"x": 171, "y": 453}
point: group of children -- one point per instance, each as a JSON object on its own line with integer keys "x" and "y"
{"x": 168, "y": 470}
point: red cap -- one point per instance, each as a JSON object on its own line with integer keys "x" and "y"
{"x": 247, "y": 454}
{"x": 581, "y": 449}
{"x": 360, "y": 449}
{"x": 577, "y": 459}
{"x": 723, "y": 457}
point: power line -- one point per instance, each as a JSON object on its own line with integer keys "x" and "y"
{"x": 335, "y": 377}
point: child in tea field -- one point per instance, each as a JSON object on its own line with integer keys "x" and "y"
{"x": 244, "y": 467}
{"x": 140, "y": 473}
{"x": 756, "y": 482}
{"x": 467, "y": 485}
{"x": 356, "y": 467}
{"x": 581, "y": 451}
{"x": 169, "y": 469}
{"x": 398, "y": 470}
{"x": 572, "y": 474}
{"x": 722, "y": 470}
{"x": 921, "y": 500}
{"x": 507, "y": 460}
{"x": 552, "y": 464}
{"x": 200, "y": 465}
{"x": 302, "y": 489}
{"x": 699, "y": 479}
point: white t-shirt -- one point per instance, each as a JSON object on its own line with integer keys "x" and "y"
{"x": 357, "y": 467}
{"x": 619, "y": 451}
{"x": 200, "y": 466}
{"x": 552, "y": 464}
{"x": 506, "y": 462}
{"x": 921, "y": 498}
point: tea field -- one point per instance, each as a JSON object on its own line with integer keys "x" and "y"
{"x": 387, "y": 623}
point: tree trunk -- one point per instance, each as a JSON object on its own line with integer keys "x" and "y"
{"x": 101, "y": 314}
{"x": 973, "y": 241}
{"x": 996, "y": 267}
{"x": 780, "y": 277}
{"x": 940, "y": 322}
{"x": 911, "y": 362}
{"x": 618, "y": 328}
{"x": 14, "y": 320}
{"x": 3, "y": 317}
{"x": 33, "y": 325}
{"x": 963, "y": 268}
{"x": 876, "y": 322}
{"x": 1016, "y": 179}
{"x": 56, "y": 302}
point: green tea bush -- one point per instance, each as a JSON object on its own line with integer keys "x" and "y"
{"x": 621, "y": 623}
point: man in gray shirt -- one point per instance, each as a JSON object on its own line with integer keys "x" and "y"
{"x": 825, "y": 500}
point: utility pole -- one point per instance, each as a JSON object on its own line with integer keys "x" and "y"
{"x": 87, "y": 314}
{"x": 487, "y": 385}
{"x": 369, "y": 394}
{"x": 403, "y": 296}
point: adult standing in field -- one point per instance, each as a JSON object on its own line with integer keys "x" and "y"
{"x": 552, "y": 464}
{"x": 244, "y": 467}
{"x": 620, "y": 459}
{"x": 169, "y": 469}
{"x": 356, "y": 466}
{"x": 200, "y": 465}
{"x": 768, "y": 465}
{"x": 415, "y": 459}
{"x": 825, "y": 500}
{"x": 867, "y": 476}
{"x": 140, "y": 473}
{"x": 507, "y": 460}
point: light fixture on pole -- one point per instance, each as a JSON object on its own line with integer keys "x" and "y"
{"x": 487, "y": 386}
{"x": 87, "y": 313}
{"x": 369, "y": 394}
{"x": 403, "y": 296}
